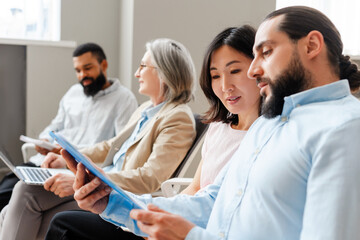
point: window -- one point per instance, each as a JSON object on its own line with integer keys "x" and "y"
{"x": 344, "y": 14}
{"x": 30, "y": 19}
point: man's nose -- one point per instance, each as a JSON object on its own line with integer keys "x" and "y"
{"x": 255, "y": 71}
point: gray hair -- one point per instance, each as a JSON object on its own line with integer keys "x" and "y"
{"x": 175, "y": 69}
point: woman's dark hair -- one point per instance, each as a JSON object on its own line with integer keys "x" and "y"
{"x": 300, "y": 20}
{"x": 95, "y": 50}
{"x": 242, "y": 40}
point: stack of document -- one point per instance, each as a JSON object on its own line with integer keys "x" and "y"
{"x": 44, "y": 144}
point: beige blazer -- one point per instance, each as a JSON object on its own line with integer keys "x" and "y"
{"x": 156, "y": 152}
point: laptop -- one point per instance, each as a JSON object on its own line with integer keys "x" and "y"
{"x": 32, "y": 175}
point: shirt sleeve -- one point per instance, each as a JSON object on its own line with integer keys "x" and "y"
{"x": 332, "y": 209}
{"x": 198, "y": 233}
{"x": 196, "y": 209}
{"x": 118, "y": 209}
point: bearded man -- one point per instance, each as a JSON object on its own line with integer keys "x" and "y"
{"x": 91, "y": 111}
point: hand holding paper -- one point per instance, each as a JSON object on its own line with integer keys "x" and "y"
{"x": 41, "y": 143}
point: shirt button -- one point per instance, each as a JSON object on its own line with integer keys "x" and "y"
{"x": 257, "y": 151}
{"x": 240, "y": 192}
{"x": 284, "y": 119}
{"x": 221, "y": 234}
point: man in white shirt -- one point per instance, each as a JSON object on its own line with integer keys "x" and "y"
{"x": 91, "y": 111}
{"x": 94, "y": 110}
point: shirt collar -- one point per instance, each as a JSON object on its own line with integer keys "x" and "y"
{"x": 115, "y": 84}
{"x": 150, "y": 111}
{"x": 332, "y": 91}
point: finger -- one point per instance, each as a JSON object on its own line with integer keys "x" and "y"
{"x": 38, "y": 148}
{"x": 88, "y": 175}
{"x": 56, "y": 150}
{"x": 56, "y": 181}
{"x": 92, "y": 188}
{"x": 154, "y": 208}
{"x": 44, "y": 165}
{"x": 70, "y": 161}
{"x": 95, "y": 206}
{"x": 92, "y": 198}
{"x": 48, "y": 183}
{"x": 89, "y": 187}
{"x": 142, "y": 216}
{"x": 48, "y": 158}
{"x": 42, "y": 151}
{"x": 146, "y": 228}
{"x": 56, "y": 191}
{"x": 79, "y": 177}
{"x": 52, "y": 164}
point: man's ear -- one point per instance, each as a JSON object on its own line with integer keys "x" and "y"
{"x": 314, "y": 44}
{"x": 104, "y": 65}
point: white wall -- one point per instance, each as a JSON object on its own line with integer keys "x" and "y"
{"x": 49, "y": 74}
{"x": 93, "y": 21}
{"x": 194, "y": 23}
{"x": 50, "y": 70}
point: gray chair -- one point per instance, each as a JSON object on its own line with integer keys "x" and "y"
{"x": 172, "y": 186}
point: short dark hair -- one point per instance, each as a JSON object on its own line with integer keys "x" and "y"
{"x": 300, "y": 20}
{"x": 242, "y": 40}
{"x": 94, "y": 48}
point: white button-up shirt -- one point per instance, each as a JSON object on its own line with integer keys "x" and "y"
{"x": 85, "y": 120}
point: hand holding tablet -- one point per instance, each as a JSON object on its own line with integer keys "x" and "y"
{"x": 93, "y": 169}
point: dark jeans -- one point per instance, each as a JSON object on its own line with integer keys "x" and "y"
{"x": 7, "y": 184}
{"x": 80, "y": 225}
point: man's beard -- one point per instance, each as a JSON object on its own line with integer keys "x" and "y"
{"x": 95, "y": 86}
{"x": 293, "y": 80}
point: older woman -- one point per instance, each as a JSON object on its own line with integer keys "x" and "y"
{"x": 143, "y": 155}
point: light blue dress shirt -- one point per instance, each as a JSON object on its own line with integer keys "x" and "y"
{"x": 119, "y": 157}
{"x": 296, "y": 176}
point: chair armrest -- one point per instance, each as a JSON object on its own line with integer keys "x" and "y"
{"x": 25, "y": 149}
{"x": 171, "y": 187}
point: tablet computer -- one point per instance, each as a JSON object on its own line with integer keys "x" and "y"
{"x": 90, "y": 166}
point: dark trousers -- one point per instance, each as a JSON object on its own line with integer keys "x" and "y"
{"x": 7, "y": 184}
{"x": 79, "y": 225}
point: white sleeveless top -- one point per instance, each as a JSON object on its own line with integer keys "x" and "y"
{"x": 221, "y": 142}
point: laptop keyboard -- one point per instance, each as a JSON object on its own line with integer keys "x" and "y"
{"x": 37, "y": 175}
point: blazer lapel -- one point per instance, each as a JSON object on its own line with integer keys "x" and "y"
{"x": 150, "y": 124}
{"x": 123, "y": 136}
{"x": 128, "y": 131}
